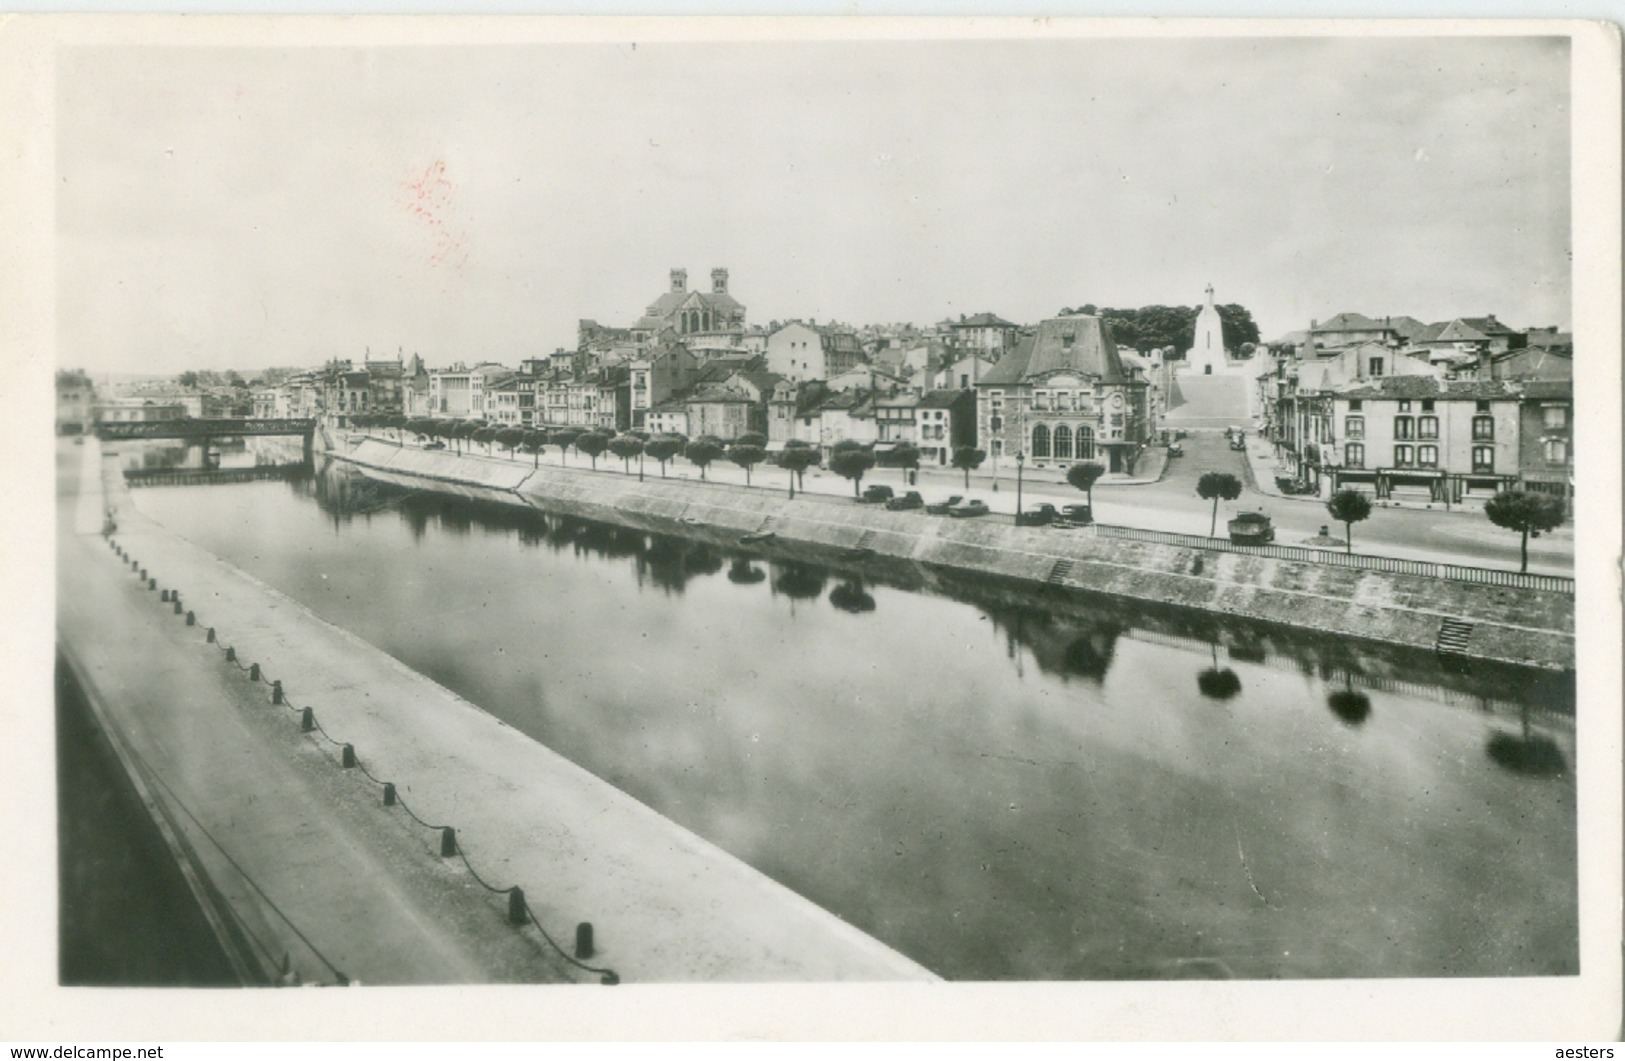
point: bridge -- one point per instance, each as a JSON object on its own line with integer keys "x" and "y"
{"x": 201, "y": 428}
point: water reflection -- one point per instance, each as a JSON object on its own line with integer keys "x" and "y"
{"x": 1218, "y": 683}
{"x": 1007, "y": 783}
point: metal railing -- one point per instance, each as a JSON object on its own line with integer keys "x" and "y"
{"x": 1362, "y": 561}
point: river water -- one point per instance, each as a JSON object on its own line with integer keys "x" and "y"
{"x": 997, "y": 785}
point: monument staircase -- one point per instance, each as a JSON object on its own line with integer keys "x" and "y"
{"x": 1208, "y": 403}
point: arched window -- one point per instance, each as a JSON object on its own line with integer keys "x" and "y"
{"x": 1086, "y": 444}
{"x": 1040, "y": 441}
{"x": 1063, "y": 442}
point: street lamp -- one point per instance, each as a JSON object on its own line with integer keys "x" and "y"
{"x": 1021, "y": 459}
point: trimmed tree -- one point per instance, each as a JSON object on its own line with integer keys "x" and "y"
{"x": 701, "y": 452}
{"x": 968, "y": 459}
{"x": 1348, "y": 507}
{"x": 796, "y": 461}
{"x": 509, "y": 439}
{"x": 534, "y": 440}
{"x": 851, "y": 463}
{"x": 752, "y": 438}
{"x": 1524, "y": 512}
{"x": 626, "y": 447}
{"x": 563, "y": 437}
{"x": 1083, "y": 476}
{"x": 1213, "y": 486}
{"x": 906, "y": 456}
{"x": 663, "y": 449}
{"x": 593, "y": 444}
{"x": 464, "y": 430}
{"x": 747, "y": 456}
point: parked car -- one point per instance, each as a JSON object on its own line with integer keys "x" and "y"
{"x": 1078, "y": 515}
{"x": 940, "y": 508}
{"x": 434, "y": 445}
{"x": 1175, "y": 450}
{"x": 1238, "y": 443}
{"x": 1288, "y": 485}
{"x": 1251, "y": 528}
{"x": 969, "y": 508}
{"x": 1038, "y": 516}
{"x": 912, "y": 499}
{"x": 874, "y": 495}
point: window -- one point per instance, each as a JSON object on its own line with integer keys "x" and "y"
{"x": 1085, "y": 446}
{"x": 1427, "y": 456}
{"x": 1404, "y": 405}
{"x": 1063, "y": 442}
{"x": 1354, "y": 455}
{"x": 1427, "y": 426}
{"x": 1554, "y": 416}
{"x": 1375, "y": 366}
{"x": 1354, "y": 427}
{"x": 1404, "y": 426}
{"x": 1483, "y": 428}
{"x": 1483, "y": 459}
{"x": 1482, "y": 406}
{"x": 1404, "y": 456}
{"x": 1557, "y": 451}
{"x": 1355, "y": 405}
{"x": 1040, "y": 441}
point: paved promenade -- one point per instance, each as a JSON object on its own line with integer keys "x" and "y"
{"x": 306, "y": 872}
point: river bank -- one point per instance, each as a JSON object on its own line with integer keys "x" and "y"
{"x": 316, "y": 879}
{"x": 1506, "y": 624}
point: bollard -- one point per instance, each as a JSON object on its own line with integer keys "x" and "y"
{"x": 191, "y": 619}
{"x": 253, "y": 672}
{"x": 177, "y": 605}
{"x": 231, "y": 654}
{"x": 389, "y": 793}
{"x": 448, "y": 842}
{"x": 584, "y": 940}
{"x": 210, "y": 638}
{"x": 276, "y": 692}
{"x": 307, "y": 719}
{"x": 163, "y": 595}
{"x": 152, "y": 584}
{"x": 348, "y": 759}
{"x": 517, "y": 914}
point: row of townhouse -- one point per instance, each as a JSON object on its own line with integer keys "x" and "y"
{"x": 1400, "y": 422}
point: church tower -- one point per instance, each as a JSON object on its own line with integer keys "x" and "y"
{"x": 1207, "y": 354}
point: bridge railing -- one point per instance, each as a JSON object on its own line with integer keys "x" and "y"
{"x": 1363, "y": 561}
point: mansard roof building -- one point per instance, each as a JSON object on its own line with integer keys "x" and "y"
{"x": 1063, "y": 395}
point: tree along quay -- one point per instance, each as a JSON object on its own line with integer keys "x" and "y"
{"x": 997, "y": 781}
{"x": 1523, "y": 626}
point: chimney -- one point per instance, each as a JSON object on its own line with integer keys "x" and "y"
{"x": 1313, "y": 324}
{"x": 679, "y": 279}
{"x": 719, "y": 281}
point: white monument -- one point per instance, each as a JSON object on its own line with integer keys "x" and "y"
{"x": 1207, "y": 354}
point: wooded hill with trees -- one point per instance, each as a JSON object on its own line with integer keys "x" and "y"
{"x": 1153, "y": 327}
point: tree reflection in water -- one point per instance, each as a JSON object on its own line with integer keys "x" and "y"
{"x": 744, "y": 573}
{"x": 1217, "y": 684}
{"x": 1527, "y": 753}
{"x": 1350, "y": 705}
{"x": 849, "y": 596}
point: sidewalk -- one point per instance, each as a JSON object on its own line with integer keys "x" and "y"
{"x": 292, "y": 840}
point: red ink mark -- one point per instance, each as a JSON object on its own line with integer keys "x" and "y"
{"x": 430, "y": 198}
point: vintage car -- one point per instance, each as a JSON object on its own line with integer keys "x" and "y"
{"x": 1038, "y": 516}
{"x": 1175, "y": 450}
{"x": 1251, "y": 528}
{"x": 874, "y": 495}
{"x": 969, "y": 508}
{"x": 1288, "y": 485}
{"x": 912, "y": 499}
{"x": 940, "y": 508}
{"x": 1237, "y": 442}
{"x": 1077, "y": 515}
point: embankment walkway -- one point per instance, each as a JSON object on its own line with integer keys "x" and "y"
{"x": 1511, "y": 624}
{"x": 308, "y": 875}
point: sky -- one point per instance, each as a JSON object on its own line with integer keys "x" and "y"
{"x": 245, "y": 207}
